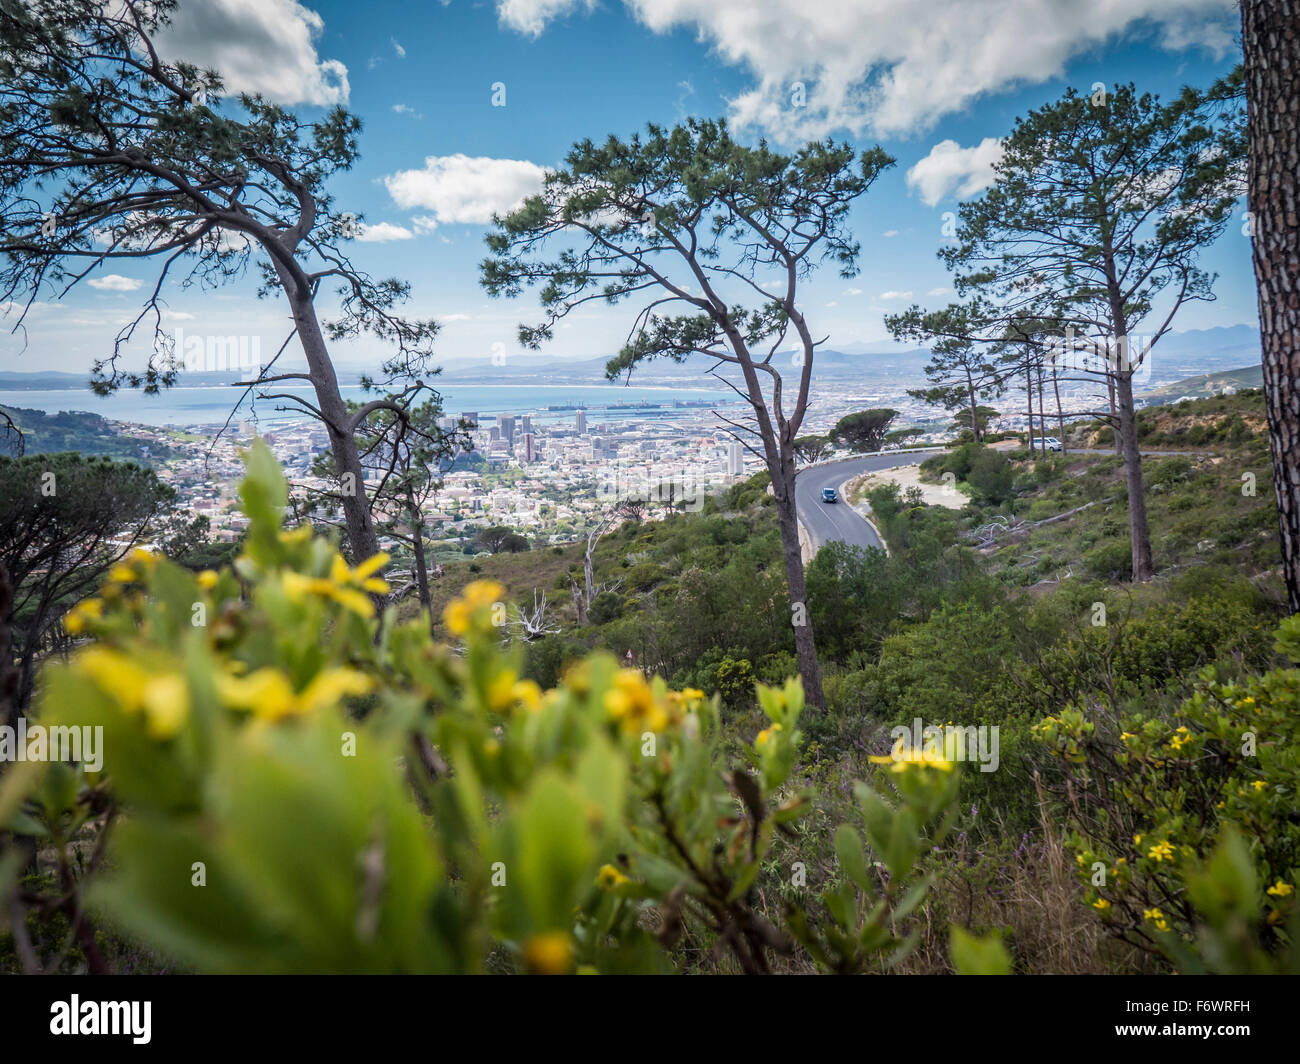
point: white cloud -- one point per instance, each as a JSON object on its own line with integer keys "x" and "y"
{"x": 401, "y": 52}
{"x": 951, "y": 168}
{"x": 266, "y": 46}
{"x": 853, "y": 291}
{"x": 941, "y": 291}
{"x": 889, "y": 232}
{"x": 531, "y": 16}
{"x": 114, "y": 282}
{"x": 878, "y": 66}
{"x": 382, "y": 233}
{"x": 895, "y": 295}
{"x": 461, "y": 188}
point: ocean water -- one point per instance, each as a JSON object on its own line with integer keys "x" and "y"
{"x": 211, "y": 405}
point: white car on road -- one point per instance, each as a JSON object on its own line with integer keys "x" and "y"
{"x": 1053, "y": 444}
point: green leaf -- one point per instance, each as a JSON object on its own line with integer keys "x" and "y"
{"x": 978, "y": 956}
{"x": 853, "y": 860}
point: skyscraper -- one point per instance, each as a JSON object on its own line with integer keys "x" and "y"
{"x": 471, "y": 416}
{"x": 528, "y": 441}
{"x": 582, "y": 422}
{"x": 526, "y": 423}
{"x": 506, "y": 423}
{"x": 735, "y": 460}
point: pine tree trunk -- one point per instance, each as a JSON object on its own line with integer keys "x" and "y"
{"x": 1060, "y": 416}
{"x": 1029, "y": 394}
{"x": 800, "y": 614}
{"x": 329, "y": 401}
{"x": 1139, "y": 531}
{"x": 1271, "y": 37}
{"x": 417, "y": 548}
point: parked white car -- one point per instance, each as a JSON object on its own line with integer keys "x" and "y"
{"x": 1053, "y": 444}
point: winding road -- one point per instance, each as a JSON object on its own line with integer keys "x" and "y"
{"x": 827, "y": 521}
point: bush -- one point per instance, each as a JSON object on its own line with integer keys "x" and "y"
{"x": 356, "y": 798}
{"x": 1113, "y": 560}
{"x": 1162, "y": 802}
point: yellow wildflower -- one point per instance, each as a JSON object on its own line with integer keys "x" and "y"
{"x": 347, "y": 587}
{"x": 550, "y": 953}
{"x": 1281, "y": 889}
{"x": 631, "y": 701}
{"x": 1101, "y": 905}
{"x": 609, "y": 877}
{"x": 903, "y": 756}
{"x": 207, "y": 579}
{"x": 163, "y": 698}
{"x": 1161, "y": 851}
{"x": 462, "y": 613}
{"x": 79, "y": 617}
{"x": 268, "y": 694}
{"x": 166, "y": 704}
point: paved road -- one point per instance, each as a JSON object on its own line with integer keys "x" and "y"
{"x": 826, "y": 521}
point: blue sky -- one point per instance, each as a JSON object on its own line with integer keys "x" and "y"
{"x": 934, "y": 82}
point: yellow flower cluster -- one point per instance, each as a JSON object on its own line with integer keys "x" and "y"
{"x": 133, "y": 567}
{"x": 1161, "y": 851}
{"x": 268, "y": 694}
{"x": 350, "y": 588}
{"x": 473, "y": 609}
{"x": 507, "y": 692}
{"x": 609, "y": 877}
{"x": 550, "y": 953}
{"x": 163, "y": 699}
{"x": 80, "y": 617}
{"x": 905, "y": 757}
{"x": 631, "y": 701}
{"x": 1157, "y": 918}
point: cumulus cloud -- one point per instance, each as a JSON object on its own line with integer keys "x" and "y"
{"x": 383, "y": 232}
{"x": 950, "y": 168}
{"x": 874, "y": 66}
{"x": 531, "y": 16}
{"x": 114, "y": 282}
{"x": 462, "y": 188}
{"x": 266, "y": 46}
{"x": 895, "y": 295}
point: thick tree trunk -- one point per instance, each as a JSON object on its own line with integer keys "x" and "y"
{"x": 329, "y": 400}
{"x": 1139, "y": 531}
{"x": 974, "y": 409}
{"x": 804, "y": 645}
{"x": 1271, "y": 38}
{"x": 1114, "y": 417}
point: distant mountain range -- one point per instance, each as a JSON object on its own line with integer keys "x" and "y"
{"x": 1178, "y": 356}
